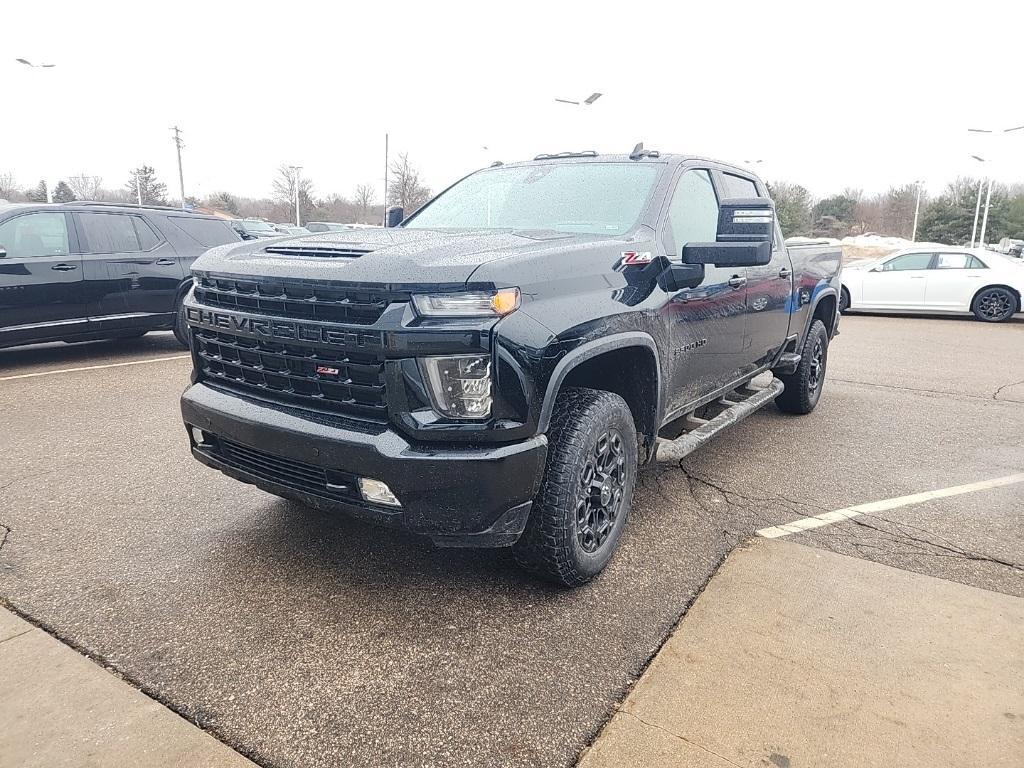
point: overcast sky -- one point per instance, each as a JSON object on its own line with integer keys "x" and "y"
{"x": 826, "y": 94}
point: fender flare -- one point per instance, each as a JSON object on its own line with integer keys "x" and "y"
{"x": 829, "y": 290}
{"x": 592, "y": 349}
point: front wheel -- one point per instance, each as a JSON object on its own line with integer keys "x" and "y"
{"x": 181, "y": 331}
{"x": 994, "y": 305}
{"x": 803, "y": 387}
{"x": 584, "y": 499}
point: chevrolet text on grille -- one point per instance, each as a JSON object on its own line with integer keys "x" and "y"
{"x": 278, "y": 329}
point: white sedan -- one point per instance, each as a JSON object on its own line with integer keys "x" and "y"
{"x": 933, "y": 279}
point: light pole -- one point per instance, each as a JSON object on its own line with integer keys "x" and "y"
{"x": 988, "y": 195}
{"x": 917, "y": 210}
{"x": 586, "y": 102}
{"x": 27, "y": 63}
{"x": 977, "y": 205}
{"x": 296, "y": 175}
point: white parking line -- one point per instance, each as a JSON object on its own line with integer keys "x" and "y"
{"x": 93, "y": 367}
{"x": 818, "y": 521}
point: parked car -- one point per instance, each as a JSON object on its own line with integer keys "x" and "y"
{"x": 290, "y": 229}
{"x": 82, "y": 271}
{"x": 494, "y": 371}
{"x": 254, "y": 229}
{"x": 326, "y": 226}
{"x": 936, "y": 280}
{"x": 1011, "y": 247}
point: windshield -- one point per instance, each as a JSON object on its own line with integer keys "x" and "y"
{"x": 589, "y": 198}
{"x": 257, "y": 226}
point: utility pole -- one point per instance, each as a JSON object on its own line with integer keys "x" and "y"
{"x": 181, "y": 176}
{"x": 385, "y": 222}
{"x": 138, "y": 187}
{"x": 296, "y": 175}
{"x": 917, "y": 210}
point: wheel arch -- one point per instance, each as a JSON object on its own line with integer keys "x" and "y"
{"x": 825, "y": 307}
{"x": 1010, "y": 288}
{"x": 626, "y": 364}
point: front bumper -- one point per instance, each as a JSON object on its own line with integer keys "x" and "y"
{"x": 458, "y": 496}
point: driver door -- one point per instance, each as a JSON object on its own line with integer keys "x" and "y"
{"x": 706, "y": 324}
{"x": 898, "y": 283}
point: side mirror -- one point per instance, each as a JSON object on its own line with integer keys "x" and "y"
{"x": 3, "y": 252}
{"x": 746, "y": 227}
{"x": 395, "y": 216}
{"x": 680, "y": 276}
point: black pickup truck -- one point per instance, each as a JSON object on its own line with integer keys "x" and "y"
{"x": 494, "y": 370}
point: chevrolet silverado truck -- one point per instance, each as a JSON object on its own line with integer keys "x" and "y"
{"x": 494, "y": 370}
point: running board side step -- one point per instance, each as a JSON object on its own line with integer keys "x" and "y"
{"x": 702, "y": 431}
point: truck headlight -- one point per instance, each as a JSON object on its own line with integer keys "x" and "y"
{"x": 459, "y": 386}
{"x": 468, "y": 304}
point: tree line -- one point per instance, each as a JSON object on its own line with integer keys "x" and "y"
{"x": 405, "y": 188}
{"x": 947, "y": 218}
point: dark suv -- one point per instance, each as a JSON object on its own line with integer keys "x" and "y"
{"x": 84, "y": 271}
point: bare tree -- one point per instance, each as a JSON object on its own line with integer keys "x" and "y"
{"x": 405, "y": 188}
{"x": 363, "y": 200}
{"x": 86, "y": 187}
{"x": 284, "y": 191}
{"x": 9, "y": 188}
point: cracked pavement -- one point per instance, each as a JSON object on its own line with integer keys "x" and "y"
{"x": 303, "y": 639}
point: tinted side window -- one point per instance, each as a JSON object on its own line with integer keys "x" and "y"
{"x": 108, "y": 232}
{"x": 35, "y": 234}
{"x": 147, "y": 237}
{"x": 693, "y": 212}
{"x": 907, "y": 261}
{"x": 206, "y": 232}
{"x": 737, "y": 186}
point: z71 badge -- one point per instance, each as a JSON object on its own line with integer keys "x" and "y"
{"x": 636, "y": 258}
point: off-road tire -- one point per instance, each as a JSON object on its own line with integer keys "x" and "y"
{"x": 553, "y": 546}
{"x": 181, "y": 330}
{"x": 803, "y": 387}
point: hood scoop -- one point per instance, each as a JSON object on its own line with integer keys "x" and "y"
{"x": 317, "y": 251}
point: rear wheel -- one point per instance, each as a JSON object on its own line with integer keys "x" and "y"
{"x": 579, "y": 514}
{"x": 803, "y": 387}
{"x": 844, "y": 301}
{"x": 995, "y": 304}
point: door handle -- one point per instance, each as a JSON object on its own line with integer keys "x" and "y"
{"x": 918, "y": 277}
{"x": 785, "y": 272}
{"x": 165, "y": 263}
{"x": 64, "y": 267}
{"x": 737, "y": 282}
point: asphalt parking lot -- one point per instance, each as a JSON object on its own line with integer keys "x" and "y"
{"x": 302, "y": 639}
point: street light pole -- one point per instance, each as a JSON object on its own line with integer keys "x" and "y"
{"x": 984, "y": 220}
{"x": 296, "y": 176}
{"x": 977, "y": 211}
{"x": 385, "y": 180}
{"x": 917, "y": 211}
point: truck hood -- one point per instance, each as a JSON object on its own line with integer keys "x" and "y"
{"x": 396, "y": 257}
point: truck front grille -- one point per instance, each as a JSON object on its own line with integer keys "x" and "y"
{"x": 332, "y": 378}
{"x": 297, "y": 300}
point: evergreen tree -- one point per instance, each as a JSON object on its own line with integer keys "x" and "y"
{"x": 38, "y": 193}
{"x": 62, "y": 193}
{"x": 143, "y": 180}
{"x": 792, "y": 208}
